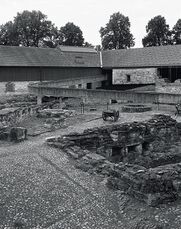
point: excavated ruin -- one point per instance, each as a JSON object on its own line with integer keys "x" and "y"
{"x": 142, "y": 159}
{"x": 132, "y": 108}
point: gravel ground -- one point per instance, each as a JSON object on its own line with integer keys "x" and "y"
{"x": 40, "y": 188}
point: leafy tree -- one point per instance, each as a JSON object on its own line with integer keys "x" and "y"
{"x": 71, "y": 34}
{"x": 98, "y": 48}
{"x": 8, "y": 34}
{"x": 177, "y": 32}
{"x": 157, "y": 32}
{"x": 88, "y": 45}
{"x": 116, "y": 34}
{"x": 28, "y": 29}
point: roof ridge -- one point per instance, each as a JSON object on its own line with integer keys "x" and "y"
{"x": 141, "y": 48}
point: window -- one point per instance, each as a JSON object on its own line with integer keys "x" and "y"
{"x": 79, "y": 60}
{"x": 89, "y": 85}
{"x": 128, "y": 77}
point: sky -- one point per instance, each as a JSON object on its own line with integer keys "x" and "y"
{"x": 90, "y": 15}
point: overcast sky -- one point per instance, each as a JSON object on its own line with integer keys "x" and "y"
{"x": 90, "y": 15}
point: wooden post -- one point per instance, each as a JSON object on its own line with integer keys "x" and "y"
{"x": 39, "y": 99}
{"x": 170, "y": 74}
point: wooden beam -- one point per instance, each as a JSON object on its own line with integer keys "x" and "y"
{"x": 170, "y": 74}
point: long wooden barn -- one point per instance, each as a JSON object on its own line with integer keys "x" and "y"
{"x": 34, "y": 64}
{"x": 89, "y": 69}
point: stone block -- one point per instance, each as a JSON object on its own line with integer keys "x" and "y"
{"x": 139, "y": 149}
{"x": 149, "y": 170}
{"x": 4, "y": 136}
{"x": 72, "y": 154}
{"x": 18, "y": 134}
{"x": 95, "y": 156}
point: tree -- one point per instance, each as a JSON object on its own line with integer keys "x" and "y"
{"x": 8, "y": 34}
{"x": 88, "y": 45}
{"x": 116, "y": 34}
{"x": 71, "y": 34}
{"x": 177, "y": 32}
{"x": 157, "y": 32}
{"x": 28, "y": 29}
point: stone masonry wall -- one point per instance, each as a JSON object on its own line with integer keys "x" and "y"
{"x": 20, "y": 87}
{"x": 172, "y": 88}
{"x": 139, "y": 158}
{"x": 13, "y": 115}
{"x": 137, "y": 76}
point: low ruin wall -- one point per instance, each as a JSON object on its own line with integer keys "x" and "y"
{"x": 139, "y": 158}
{"x": 171, "y": 88}
{"x": 104, "y": 96}
{"x": 13, "y": 115}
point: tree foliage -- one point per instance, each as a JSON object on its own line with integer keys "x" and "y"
{"x": 8, "y": 34}
{"x": 71, "y": 35}
{"x": 88, "y": 45}
{"x": 116, "y": 34}
{"x": 28, "y": 29}
{"x": 157, "y": 32}
{"x": 177, "y": 32}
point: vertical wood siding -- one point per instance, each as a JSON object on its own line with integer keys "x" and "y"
{"x": 37, "y": 73}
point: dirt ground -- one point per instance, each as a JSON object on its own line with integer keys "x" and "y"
{"x": 41, "y": 188}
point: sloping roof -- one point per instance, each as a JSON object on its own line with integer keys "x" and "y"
{"x": 56, "y": 57}
{"x": 159, "y": 56}
{"x": 45, "y": 57}
{"x": 77, "y": 49}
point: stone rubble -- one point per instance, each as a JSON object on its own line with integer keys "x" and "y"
{"x": 137, "y": 158}
{"x": 55, "y": 118}
{"x": 18, "y": 134}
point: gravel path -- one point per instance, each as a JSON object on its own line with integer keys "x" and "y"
{"x": 40, "y": 188}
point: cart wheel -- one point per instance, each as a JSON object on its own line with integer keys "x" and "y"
{"x": 116, "y": 116}
{"x": 104, "y": 116}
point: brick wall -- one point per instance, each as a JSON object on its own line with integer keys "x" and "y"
{"x": 135, "y": 76}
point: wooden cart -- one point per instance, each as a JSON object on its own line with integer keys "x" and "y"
{"x": 113, "y": 114}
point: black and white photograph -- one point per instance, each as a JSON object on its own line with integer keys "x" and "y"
{"x": 90, "y": 114}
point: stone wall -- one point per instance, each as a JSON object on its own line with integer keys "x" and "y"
{"x": 172, "y": 88}
{"x": 20, "y": 87}
{"x": 150, "y": 87}
{"x": 118, "y": 142}
{"x": 12, "y": 115}
{"x": 154, "y": 186}
{"x": 140, "y": 158}
{"x": 135, "y": 76}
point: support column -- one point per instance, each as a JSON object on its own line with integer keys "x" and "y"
{"x": 39, "y": 100}
{"x": 61, "y": 104}
{"x": 170, "y": 74}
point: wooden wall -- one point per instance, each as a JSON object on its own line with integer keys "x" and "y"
{"x": 45, "y": 73}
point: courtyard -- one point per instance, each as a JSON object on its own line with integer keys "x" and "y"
{"x": 42, "y": 188}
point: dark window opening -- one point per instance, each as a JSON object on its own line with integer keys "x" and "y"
{"x": 128, "y": 77}
{"x": 79, "y": 60}
{"x": 72, "y": 86}
{"x": 117, "y": 154}
{"x": 131, "y": 148}
{"x": 169, "y": 74}
{"x": 113, "y": 101}
{"x": 89, "y": 85}
{"x": 79, "y": 85}
{"x": 146, "y": 145}
{"x": 116, "y": 151}
{"x": 103, "y": 83}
